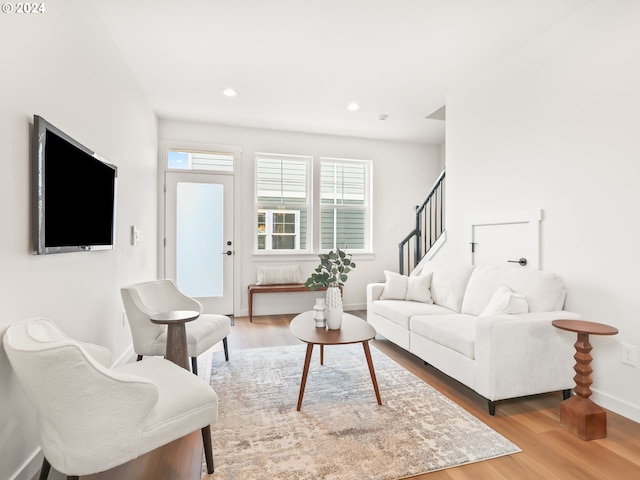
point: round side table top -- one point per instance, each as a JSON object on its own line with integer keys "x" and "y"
{"x": 175, "y": 316}
{"x": 353, "y": 330}
{"x": 583, "y": 326}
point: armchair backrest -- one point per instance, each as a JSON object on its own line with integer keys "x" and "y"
{"x": 143, "y": 300}
{"x": 79, "y": 401}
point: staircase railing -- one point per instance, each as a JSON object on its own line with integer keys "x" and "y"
{"x": 428, "y": 228}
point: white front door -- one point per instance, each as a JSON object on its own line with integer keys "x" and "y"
{"x": 199, "y": 249}
{"x": 506, "y": 239}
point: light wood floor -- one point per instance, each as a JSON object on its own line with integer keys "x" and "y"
{"x": 532, "y": 423}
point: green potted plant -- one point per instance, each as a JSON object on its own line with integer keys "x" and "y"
{"x": 331, "y": 274}
{"x": 333, "y": 270}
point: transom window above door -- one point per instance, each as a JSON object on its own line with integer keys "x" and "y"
{"x": 195, "y": 160}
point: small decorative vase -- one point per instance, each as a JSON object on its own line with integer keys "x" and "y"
{"x": 334, "y": 308}
{"x": 318, "y": 314}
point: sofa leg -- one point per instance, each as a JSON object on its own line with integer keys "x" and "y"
{"x": 44, "y": 471}
{"x": 492, "y": 407}
{"x": 208, "y": 449}
{"x": 139, "y": 358}
{"x": 566, "y": 394}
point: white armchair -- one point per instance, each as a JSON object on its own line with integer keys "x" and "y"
{"x": 142, "y": 300}
{"x": 92, "y": 417}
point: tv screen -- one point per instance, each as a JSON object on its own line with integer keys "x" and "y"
{"x": 74, "y": 194}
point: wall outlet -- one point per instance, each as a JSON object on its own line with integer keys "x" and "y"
{"x": 628, "y": 354}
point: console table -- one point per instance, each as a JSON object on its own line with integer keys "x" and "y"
{"x": 278, "y": 288}
{"x": 578, "y": 414}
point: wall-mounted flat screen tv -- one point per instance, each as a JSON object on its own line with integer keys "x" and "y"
{"x": 74, "y": 194}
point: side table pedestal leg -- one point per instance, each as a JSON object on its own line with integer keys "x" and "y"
{"x": 583, "y": 418}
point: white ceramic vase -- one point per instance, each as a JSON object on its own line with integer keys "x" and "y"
{"x": 333, "y": 312}
{"x": 318, "y": 314}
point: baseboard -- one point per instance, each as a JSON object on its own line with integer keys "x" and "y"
{"x": 126, "y": 357}
{"x": 620, "y": 407}
{"x": 30, "y": 468}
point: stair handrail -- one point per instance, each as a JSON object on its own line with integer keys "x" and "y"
{"x": 430, "y": 214}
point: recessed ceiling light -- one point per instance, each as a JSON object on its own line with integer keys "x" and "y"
{"x": 353, "y": 106}
{"x": 229, "y": 92}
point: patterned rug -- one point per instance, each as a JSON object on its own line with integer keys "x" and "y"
{"x": 341, "y": 432}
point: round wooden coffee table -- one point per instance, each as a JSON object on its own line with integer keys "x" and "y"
{"x": 353, "y": 330}
{"x": 176, "y": 333}
{"x": 578, "y": 414}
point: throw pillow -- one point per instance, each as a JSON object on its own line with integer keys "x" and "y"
{"x": 401, "y": 287}
{"x": 395, "y": 286}
{"x": 277, "y": 275}
{"x": 419, "y": 288}
{"x": 505, "y": 301}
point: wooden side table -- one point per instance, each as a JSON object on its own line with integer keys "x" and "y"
{"x": 578, "y": 414}
{"x": 176, "y": 334}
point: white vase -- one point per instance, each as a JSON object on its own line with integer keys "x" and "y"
{"x": 333, "y": 312}
{"x": 318, "y": 314}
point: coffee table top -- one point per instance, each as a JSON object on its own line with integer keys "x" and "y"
{"x": 353, "y": 330}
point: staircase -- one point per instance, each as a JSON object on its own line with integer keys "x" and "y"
{"x": 428, "y": 228}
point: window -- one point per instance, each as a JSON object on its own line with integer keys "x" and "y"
{"x": 194, "y": 160}
{"x": 345, "y": 190}
{"x": 282, "y": 197}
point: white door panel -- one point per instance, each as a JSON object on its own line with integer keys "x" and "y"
{"x": 199, "y": 237}
{"x": 506, "y": 239}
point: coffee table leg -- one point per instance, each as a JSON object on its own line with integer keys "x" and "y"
{"x": 367, "y": 353}
{"x": 305, "y": 371}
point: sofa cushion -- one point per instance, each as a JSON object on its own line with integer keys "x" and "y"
{"x": 400, "y": 311}
{"x": 448, "y": 283}
{"x": 400, "y": 287}
{"x": 544, "y": 291}
{"x": 457, "y": 331}
{"x": 395, "y": 286}
{"x": 505, "y": 301}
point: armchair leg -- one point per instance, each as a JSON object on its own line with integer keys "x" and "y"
{"x": 194, "y": 365}
{"x": 208, "y": 450}
{"x": 566, "y": 394}
{"x": 226, "y": 348}
{"x": 44, "y": 471}
{"x": 139, "y": 358}
{"x": 492, "y": 407}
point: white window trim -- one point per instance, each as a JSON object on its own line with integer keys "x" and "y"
{"x": 309, "y": 160}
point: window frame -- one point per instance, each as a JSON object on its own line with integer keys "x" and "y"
{"x": 290, "y": 207}
{"x": 366, "y": 207}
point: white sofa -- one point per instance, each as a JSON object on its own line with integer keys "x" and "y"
{"x": 487, "y": 326}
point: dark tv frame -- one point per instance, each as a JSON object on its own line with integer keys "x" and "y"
{"x": 39, "y": 139}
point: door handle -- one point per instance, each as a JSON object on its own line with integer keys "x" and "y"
{"x": 228, "y": 252}
{"x": 522, "y": 262}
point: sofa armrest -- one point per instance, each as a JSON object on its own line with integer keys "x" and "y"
{"x": 523, "y": 354}
{"x": 374, "y": 290}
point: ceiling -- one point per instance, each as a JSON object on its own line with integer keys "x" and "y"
{"x": 297, "y": 64}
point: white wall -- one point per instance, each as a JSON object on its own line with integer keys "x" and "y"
{"x": 63, "y": 66}
{"x": 556, "y": 127}
{"x": 403, "y": 174}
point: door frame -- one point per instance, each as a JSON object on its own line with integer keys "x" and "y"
{"x": 531, "y": 217}
{"x": 163, "y": 147}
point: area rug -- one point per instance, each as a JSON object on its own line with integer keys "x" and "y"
{"x": 341, "y": 432}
